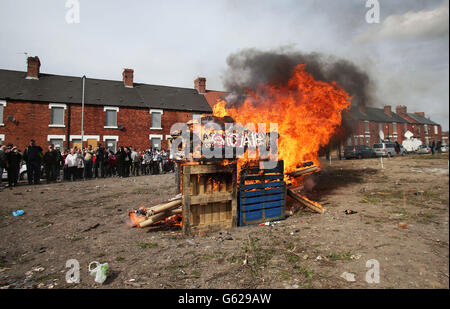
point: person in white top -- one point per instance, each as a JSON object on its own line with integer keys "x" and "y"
{"x": 71, "y": 163}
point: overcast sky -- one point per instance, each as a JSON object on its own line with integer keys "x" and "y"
{"x": 171, "y": 42}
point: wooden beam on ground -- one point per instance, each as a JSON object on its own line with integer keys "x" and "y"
{"x": 305, "y": 201}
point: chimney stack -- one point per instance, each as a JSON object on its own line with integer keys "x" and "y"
{"x": 388, "y": 110}
{"x": 200, "y": 84}
{"x": 421, "y": 114}
{"x": 34, "y": 65}
{"x": 128, "y": 77}
{"x": 401, "y": 109}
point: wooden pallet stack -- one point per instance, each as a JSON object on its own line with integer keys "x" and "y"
{"x": 209, "y": 195}
{"x": 262, "y": 195}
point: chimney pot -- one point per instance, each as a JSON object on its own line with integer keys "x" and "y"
{"x": 401, "y": 109}
{"x": 33, "y": 66}
{"x": 388, "y": 110}
{"x": 128, "y": 77}
{"x": 200, "y": 84}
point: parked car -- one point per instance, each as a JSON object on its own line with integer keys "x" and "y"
{"x": 423, "y": 149}
{"x": 359, "y": 152}
{"x": 385, "y": 149}
{"x": 444, "y": 148}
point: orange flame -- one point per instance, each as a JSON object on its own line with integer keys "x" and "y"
{"x": 307, "y": 112}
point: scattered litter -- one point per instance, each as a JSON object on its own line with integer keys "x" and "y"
{"x": 191, "y": 242}
{"x": 176, "y": 197}
{"x": 350, "y": 212}
{"x": 318, "y": 258}
{"x": 348, "y": 276}
{"x": 292, "y": 233}
{"x": 355, "y": 257}
{"x": 245, "y": 262}
{"x": 18, "y": 213}
{"x": 44, "y": 214}
{"x": 295, "y": 286}
{"x": 132, "y": 280}
{"x": 228, "y": 238}
{"x": 305, "y": 257}
{"x": 39, "y": 269}
{"x": 362, "y": 190}
{"x": 99, "y": 271}
{"x": 403, "y": 225}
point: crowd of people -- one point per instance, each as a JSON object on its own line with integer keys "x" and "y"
{"x": 81, "y": 164}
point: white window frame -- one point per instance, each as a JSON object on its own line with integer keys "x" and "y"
{"x": 394, "y": 128}
{"x": 50, "y": 106}
{"x": 2, "y": 137}
{"x": 63, "y": 137}
{"x": 425, "y": 129}
{"x": 111, "y": 108}
{"x": 156, "y": 111}
{"x": 436, "y": 130}
{"x": 2, "y": 102}
{"x": 366, "y": 127}
{"x": 85, "y": 137}
{"x": 160, "y": 136}
{"x": 114, "y": 137}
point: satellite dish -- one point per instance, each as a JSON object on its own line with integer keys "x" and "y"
{"x": 381, "y": 134}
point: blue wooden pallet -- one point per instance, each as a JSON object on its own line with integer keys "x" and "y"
{"x": 264, "y": 199}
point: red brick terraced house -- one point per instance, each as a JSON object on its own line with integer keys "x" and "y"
{"x": 47, "y": 108}
{"x": 365, "y": 123}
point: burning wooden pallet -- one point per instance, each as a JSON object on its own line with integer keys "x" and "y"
{"x": 209, "y": 197}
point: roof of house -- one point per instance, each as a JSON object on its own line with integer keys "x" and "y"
{"x": 68, "y": 89}
{"x": 420, "y": 119}
{"x": 373, "y": 114}
{"x": 213, "y": 96}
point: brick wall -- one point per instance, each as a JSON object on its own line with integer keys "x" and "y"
{"x": 34, "y": 119}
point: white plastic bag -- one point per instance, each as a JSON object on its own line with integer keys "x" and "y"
{"x": 99, "y": 271}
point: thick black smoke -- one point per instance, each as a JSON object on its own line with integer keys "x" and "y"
{"x": 249, "y": 67}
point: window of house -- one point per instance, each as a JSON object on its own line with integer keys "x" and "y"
{"x": 356, "y": 140}
{"x": 76, "y": 142}
{"x": 349, "y": 141}
{"x": 406, "y": 127}
{"x": 156, "y": 119}
{"x": 2, "y": 108}
{"x": 2, "y": 139}
{"x": 111, "y": 144}
{"x": 368, "y": 140}
{"x": 111, "y": 117}
{"x": 57, "y": 142}
{"x": 197, "y": 117}
{"x": 361, "y": 140}
{"x": 366, "y": 125}
{"x": 425, "y": 129}
{"x": 156, "y": 143}
{"x": 436, "y": 131}
{"x": 57, "y": 114}
{"x": 380, "y": 127}
{"x": 394, "y": 127}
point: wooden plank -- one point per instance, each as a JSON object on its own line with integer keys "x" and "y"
{"x": 306, "y": 202}
{"x": 209, "y": 169}
{"x": 186, "y": 201}
{"x": 234, "y": 206}
{"x": 211, "y": 198}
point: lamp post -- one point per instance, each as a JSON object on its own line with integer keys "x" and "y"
{"x": 82, "y": 112}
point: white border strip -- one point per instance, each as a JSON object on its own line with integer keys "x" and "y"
{"x": 114, "y": 137}
{"x": 57, "y": 105}
{"x": 49, "y": 137}
{"x": 110, "y": 108}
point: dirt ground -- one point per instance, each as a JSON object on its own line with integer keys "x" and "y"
{"x": 401, "y": 222}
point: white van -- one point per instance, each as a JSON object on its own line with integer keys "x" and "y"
{"x": 386, "y": 149}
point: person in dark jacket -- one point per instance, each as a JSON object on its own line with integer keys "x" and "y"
{"x": 2, "y": 163}
{"x": 50, "y": 162}
{"x": 120, "y": 161}
{"x": 33, "y": 159}
{"x": 13, "y": 159}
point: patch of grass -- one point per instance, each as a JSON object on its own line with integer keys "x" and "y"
{"x": 49, "y": 277}
{"x": 120, "y": 259}
{"x": 144, "y": 245}
{"x": 75, "y": 238}
{"x": 284, "y": 275}
{"x": 45, "y": 223}
{"x": 340, "y": 256}
{"x": 196, "y": 274}
{"x": 100, "y": 255}
{"x": 308, "y": 273}
{"x": 140, "y": 191}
